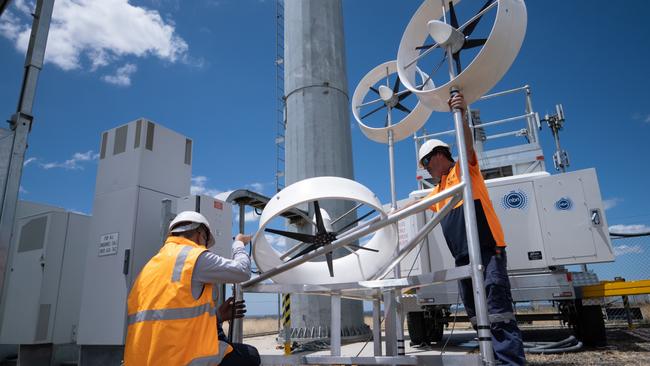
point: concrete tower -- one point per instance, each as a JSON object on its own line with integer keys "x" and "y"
{"x": 318, "y": 140}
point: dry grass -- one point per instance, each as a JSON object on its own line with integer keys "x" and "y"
{"x": 623, "y": 348}
{"x": 257, "y": 325}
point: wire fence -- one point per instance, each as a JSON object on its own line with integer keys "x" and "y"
{"x": 632, "y": 264}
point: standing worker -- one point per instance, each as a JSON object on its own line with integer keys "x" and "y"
{"x": 172, "y": 314}
{"x": 435, "y": 157}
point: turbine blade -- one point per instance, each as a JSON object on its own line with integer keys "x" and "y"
{"x": 354, "y": 222}
{"x": 374, "y": 89}
{"x": 425, "y": 46}
{"x": 290, "y": 234}
{"x": 320, "y": 226}
{"x": 452, "y": 15}
{"x": 373, "y": 111}
{"x": 364, "y": 248}
{"x": 459, "y": 69}
{"x": 405, "y": 95}
{"x": 304, "y": 251}
{"x": 471, "y": 43}
{"x": 402, "y": 108}
{"x": 396, "y": 85}
{"x": 467, "y": 31}
{"x": 330, "y": 263}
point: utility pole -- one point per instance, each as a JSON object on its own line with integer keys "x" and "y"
{"x": 12, "y": 154}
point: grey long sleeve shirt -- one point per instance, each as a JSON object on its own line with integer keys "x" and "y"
{"x": 211, "y": 268}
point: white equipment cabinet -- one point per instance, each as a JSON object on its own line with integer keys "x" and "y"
{"x": 43, "y": 292}
{"x": 140, "y": 165}
{"x": 552, "y": 220}
{"x": 548, "y": 221}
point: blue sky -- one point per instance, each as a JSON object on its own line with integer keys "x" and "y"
{"x": 205, "y": 68}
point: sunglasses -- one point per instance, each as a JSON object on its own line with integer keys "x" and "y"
{"x": 425, "y": 160}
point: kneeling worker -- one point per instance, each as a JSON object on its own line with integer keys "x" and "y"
{"x": 435, "y": 157}
{"x": 172, "y": 315}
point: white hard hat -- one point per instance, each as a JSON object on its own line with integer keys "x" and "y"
{"x": 428, "y": 147}
{"x": 190, "y": 220}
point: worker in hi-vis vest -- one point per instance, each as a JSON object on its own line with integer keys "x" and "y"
{"x": 172, "y": 314}
{"x": 435, "y": 156}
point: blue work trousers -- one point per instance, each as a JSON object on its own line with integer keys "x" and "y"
{"x": 506, "y": 336}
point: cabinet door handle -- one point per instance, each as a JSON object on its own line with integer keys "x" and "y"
{"x": 127, "y": 259}
{"x": 595, "y": 217}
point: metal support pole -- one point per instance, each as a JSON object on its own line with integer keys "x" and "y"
{"x": 286, "y": 322}
{"x": 473, "y": 246}
{"x": 376, "y": 325}
{"x": 399, "y": 328}
{"x": 335, "y": 327}
{"x": 390, "y": 323}
{"x": 237, "y": 331}
{"x": 533, "y": 126}
{"x": 21, "y": 124}
{"x": 628, "y": 313}
{"x": 391, "y": 164}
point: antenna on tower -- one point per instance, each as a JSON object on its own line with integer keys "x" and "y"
{"x": 555, "y": 122}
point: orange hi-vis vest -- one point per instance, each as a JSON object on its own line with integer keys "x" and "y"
{"x": 166, "y": 325}
{"x": 480, "y": 193}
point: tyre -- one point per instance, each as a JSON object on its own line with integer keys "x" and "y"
{"x": 416, "y": 326}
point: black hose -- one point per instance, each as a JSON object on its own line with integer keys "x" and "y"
{"x": 570, "y": 344}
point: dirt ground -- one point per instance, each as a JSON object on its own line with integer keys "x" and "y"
{"x": 624, "y": 347}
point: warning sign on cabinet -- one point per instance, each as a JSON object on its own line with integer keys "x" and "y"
{"x": 108, "y": 244}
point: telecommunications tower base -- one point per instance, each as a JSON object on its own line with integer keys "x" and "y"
{"x": 318, "y": 139}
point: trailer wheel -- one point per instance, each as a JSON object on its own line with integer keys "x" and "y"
{"x": 416, "y": 327}
{"x": 586, "y": 321}
{"x": 590, "y": 325}
{"x": 435, "y": 325}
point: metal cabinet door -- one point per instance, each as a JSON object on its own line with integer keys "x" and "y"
{"x": 33, "y": 281}
{"x": 571, "y": 233}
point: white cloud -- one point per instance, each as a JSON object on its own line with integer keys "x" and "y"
{"x": 629, "y": 229}
{"x": 29, "y": 161}
{"x": 122, "y": 76}
{"x": 641, "y": 117}
{"x": 22, "y": 190}
{"x": 258, "y": 187}
{"x": 251, "y": 216}
{"x": 23, "y": 7}
{"x": 627, "y": 249}
{"x": 611, "y": 203}
{"x": 73, "y": 163}
{"x": 199, "y": 186}
{"x": 101, "y": 32}
{"x": 276, "y": 241}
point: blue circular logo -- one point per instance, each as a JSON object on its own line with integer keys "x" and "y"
{"x": 564, "y": 204}
{"x": 514, "y": 199}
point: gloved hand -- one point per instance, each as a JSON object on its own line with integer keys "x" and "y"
{"x": 243, "y": 238}
{"x": 225, "y": 311}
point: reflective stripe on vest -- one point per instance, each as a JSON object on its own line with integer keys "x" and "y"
{"x": 180, "y": 262}
{"x": 224, "y": 349}
{"x": 170, "y": 314}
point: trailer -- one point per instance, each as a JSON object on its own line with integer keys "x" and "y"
{"x": 554, "y": 225}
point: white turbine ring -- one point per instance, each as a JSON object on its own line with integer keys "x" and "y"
{"x": 358, "y": 266}
{"x": 483, "y": 72}
{"x": 401, "y": 129}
